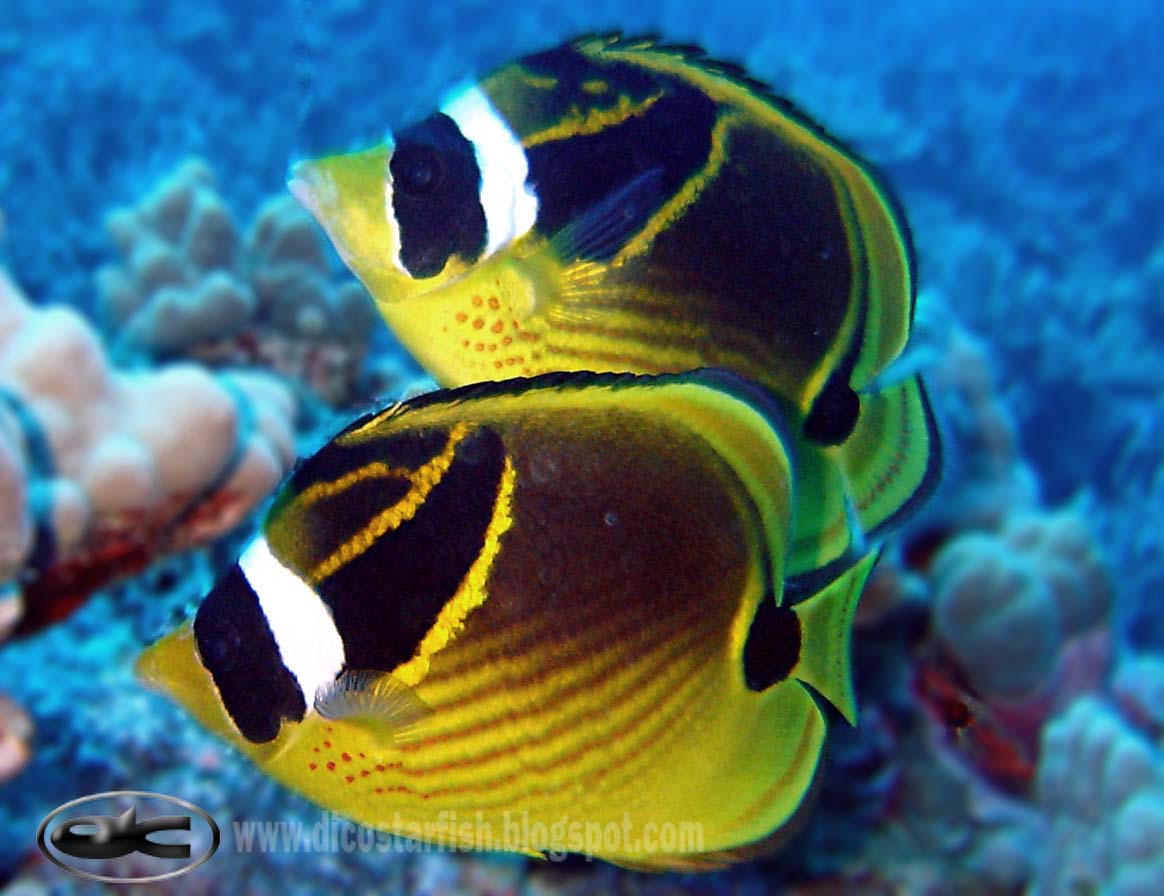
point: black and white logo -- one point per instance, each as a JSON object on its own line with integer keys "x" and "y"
{"x": 128, "y": 836}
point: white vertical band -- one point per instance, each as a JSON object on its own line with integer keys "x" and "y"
{"x": 309, "y": 643}
{"x": 390, "y": 215}
{"x": 510, "y": 205}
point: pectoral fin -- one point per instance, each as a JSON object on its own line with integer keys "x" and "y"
{"x": 374, "y": 699}
{"x": 599, "y": 232}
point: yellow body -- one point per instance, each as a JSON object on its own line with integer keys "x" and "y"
{"x": 670, "y": 298}
{"x": 587, "y": 671}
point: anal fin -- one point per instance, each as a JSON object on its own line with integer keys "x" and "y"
{"x": 826, "y": 624}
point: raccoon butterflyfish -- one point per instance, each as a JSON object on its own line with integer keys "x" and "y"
{"x": 536, "y": 608}
{"x": 617, "y": 205}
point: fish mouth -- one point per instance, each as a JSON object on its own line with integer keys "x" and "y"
{"x": 172, "y": 667}
{"x": 350, "y": 198}
{"x": 309, "y": 186}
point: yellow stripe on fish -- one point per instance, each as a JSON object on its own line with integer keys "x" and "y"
{"x": 564, "y": 610}
{"x": 618, "y": 205}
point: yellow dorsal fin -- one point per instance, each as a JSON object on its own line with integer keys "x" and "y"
{"x": 826, "y": 623}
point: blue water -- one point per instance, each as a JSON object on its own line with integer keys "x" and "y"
{"x": 1024, "y": 140}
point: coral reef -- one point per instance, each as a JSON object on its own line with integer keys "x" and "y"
{"x": 1101, "y": 789}
{"x": 1007, "y": 603}
{"x": 1023, "y": 141}
{"x": 15, "y": 737}
{"x": 985, "y": 479}
{"x": 1138, "y": 688}
{"x": 191, "y": 287}
{"x": 101, "y": 470}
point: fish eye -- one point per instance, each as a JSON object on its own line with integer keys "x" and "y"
{"x": 220, "y": 645}
{"x": 416, "y": 170}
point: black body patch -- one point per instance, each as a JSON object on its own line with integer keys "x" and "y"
{"x": 333, "y": 519}
{"x": 238, "y": 649}
{"x": 436, "y": 196}
{"x": 772, "y": 218}
{"x": 773, "y": 646}
{"x": 343, "y": 455}
{"x": 673, "y": 136}
{"x": 386, "y": 599}
{"x": 572, "y": 68}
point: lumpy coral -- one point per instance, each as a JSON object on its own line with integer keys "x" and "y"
{"x": 1101, "y": 787}
{"x": 1005, "y": 603}
{"x": 100, "y": 469}
{"x": 15, "y": 738}
{"x": 191, "y": 286}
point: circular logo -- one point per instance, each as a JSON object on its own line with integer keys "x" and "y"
{"x": 128, "y": 836}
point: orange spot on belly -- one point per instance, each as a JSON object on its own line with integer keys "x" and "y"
{"x": 331, "y": 766}
{"x": 497, "y": 327}
{"x": 478, "y": 323}
{"x": 461, "y": 317}
{"x": 494, "y": 303}
{"x": 477, "y": 302}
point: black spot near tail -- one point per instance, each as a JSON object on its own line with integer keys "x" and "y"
{"x": 773, "y": 646}
{"x": 834, "y": 413}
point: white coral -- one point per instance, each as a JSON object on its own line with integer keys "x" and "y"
{"x": 1101, "y": 786}
{"x": 1006, "y": 603}
{"x": 143, "y": 446}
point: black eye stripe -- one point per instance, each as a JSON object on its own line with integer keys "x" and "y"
{"x": 237, "y": 648}
{"x": 436, "y": 196}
